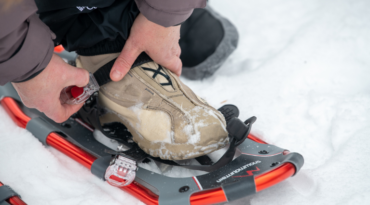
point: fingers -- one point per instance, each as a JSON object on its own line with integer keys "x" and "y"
{"x": 62, "y": 112}
{"x": 55, "y": 110}
{"x": 43, "y": 91}
{"x": 124, "y": 61}
{"x": 78, "y": 77}
{"x": 177, "y": 50}
{"x": 174, "y": 64}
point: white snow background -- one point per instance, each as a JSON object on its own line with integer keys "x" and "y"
{"x": 302, "y": 67}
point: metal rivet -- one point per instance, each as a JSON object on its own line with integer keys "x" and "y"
{"x": 184, "y": 189}
{"x": 66, "y": 125}
{"x": 263, "y": 152}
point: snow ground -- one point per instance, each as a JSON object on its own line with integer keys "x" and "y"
{"x": 302, "y": 67}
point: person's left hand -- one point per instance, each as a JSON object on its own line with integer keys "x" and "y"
{"x": 43, "y": 91}
{"x": 160, "y": 43}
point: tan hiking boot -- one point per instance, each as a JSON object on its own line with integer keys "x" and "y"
{"x": 165, "y": 117}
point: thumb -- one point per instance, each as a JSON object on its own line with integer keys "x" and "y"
{"x": 71, "y": 109}
{"x": 62, "y": 112}
{"x": 124, "y": 61}
{"x": 78, "y": 77}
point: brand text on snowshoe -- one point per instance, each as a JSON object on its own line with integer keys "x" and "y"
{"x": 238, "y": 170}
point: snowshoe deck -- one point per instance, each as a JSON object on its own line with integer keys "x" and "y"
{"x": 259, "y": 166}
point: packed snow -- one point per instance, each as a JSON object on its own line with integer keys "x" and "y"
{"x": 302, "y": 67}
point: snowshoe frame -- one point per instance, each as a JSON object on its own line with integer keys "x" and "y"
{"x": 9, "y": 197}
{"x": 258, "y": 167}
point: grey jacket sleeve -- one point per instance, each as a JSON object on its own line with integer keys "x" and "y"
{"x": 26, "y": 44}
{"x": 168, "y": 12}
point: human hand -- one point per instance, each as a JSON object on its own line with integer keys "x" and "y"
{"x": 43, "y": 91}
{"x": 160, "y": 43}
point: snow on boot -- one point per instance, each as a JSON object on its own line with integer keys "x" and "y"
{"x": 165, "y": 117}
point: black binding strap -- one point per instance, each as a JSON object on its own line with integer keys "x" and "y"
{"x": 204, "y": 160}
{"x": 237, "y": 136}
{"x": 102, "y": 75}
{"x": 238, "y": 132}
{"x": 225, "y": 159}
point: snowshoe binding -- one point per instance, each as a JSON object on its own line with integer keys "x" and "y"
{"x": 248, "y": 165}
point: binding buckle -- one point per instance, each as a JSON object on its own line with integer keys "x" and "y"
{"x": 121, "y": 172}
{"x": 74, "y": 95}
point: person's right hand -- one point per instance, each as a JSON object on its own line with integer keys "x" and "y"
{"x": 43, "y": 91}
{"x": 160, "y": 43}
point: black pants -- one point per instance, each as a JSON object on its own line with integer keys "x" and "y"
{"x": 100, "y": 27}
{"x": 103, "y": 26}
